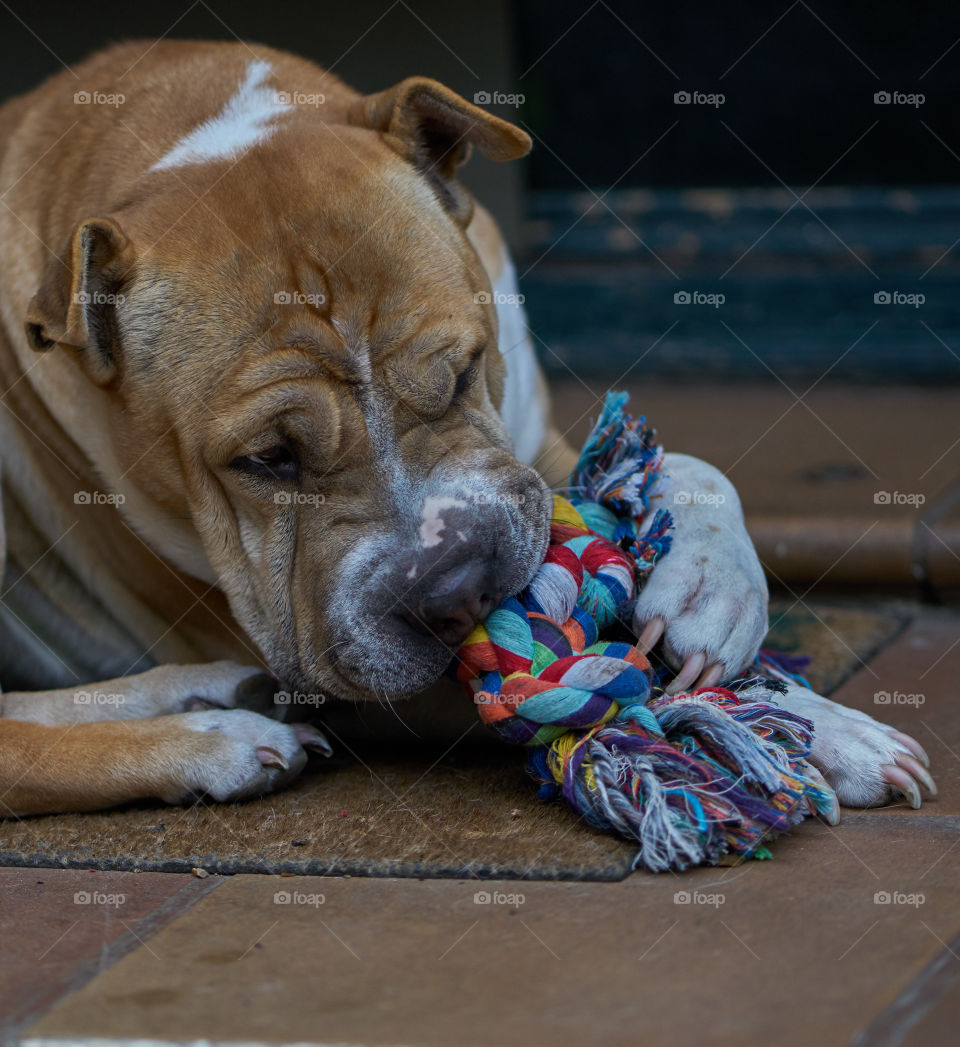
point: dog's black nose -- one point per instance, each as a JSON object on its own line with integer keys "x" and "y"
{"x": 449, "y": 606}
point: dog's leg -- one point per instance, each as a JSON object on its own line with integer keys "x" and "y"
{"x": 708, "y": 597}
{"x": 157, "y": 692}
{"x": 864, "y": 761}
{"x": 223, "y": 754}
{"x": 64, "y": 750}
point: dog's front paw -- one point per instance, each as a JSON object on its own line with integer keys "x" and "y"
{"x": 708, "y": 599}
{"x": 169, "y": 689}
{"x": 240, "y": 754}
{"x": 865, "y": 762}
{"x": 868, "y": 763}
{"x": 224, "y": 685}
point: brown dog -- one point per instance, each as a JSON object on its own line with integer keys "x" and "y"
{"x": 271, "y": 405}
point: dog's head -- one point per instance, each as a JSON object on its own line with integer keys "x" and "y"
{"x": 300, "y": 348}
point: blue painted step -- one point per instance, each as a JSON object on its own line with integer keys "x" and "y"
{"x": 738, "y": 283}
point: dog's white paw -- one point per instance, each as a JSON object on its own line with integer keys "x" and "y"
{"x": 214, "y": 685}
{"x": 168, "y": 689}
{"x": 708, "y": 596}
{"x": 865, "y": 762}
{"x": 242, "y": 754}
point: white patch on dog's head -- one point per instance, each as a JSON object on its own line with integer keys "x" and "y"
{"x": 432, "y": 522}
{"x": 243, "y": 122}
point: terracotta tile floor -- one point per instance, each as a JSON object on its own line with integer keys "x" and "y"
{"x": 789, "y": 951}
{"x": 59, "y": 929}
{"x": 387, "y": 961}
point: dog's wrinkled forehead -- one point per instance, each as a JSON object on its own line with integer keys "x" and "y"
{"x": 344, "y": 308}
{"x": 375, "y": 261}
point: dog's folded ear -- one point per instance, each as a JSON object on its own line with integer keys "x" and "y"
{"x": 78, "y": 297}
{"x": 434, "y": 128}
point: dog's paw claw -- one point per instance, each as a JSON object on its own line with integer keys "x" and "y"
{"x": 908, "y": 763}
{"x": 311, "y": 738}
{"x": 901, "y": 781}
{"x": 650, "y": 634}
{"x": 688, "y": 674}
{"x": 271, "y": 758}
{"x": 913, "y": 745}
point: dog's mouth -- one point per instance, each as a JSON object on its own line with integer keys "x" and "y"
{"x": 404, "y": 603}
{"x": 396, "y": 656}
{"x": 362, "y": 676}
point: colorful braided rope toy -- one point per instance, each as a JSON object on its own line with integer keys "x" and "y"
{"x": 692, "y": 778}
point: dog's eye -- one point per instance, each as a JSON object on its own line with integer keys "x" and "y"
{"x": 275, "y": 463}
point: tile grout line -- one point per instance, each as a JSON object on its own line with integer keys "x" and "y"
{"x": 166, "y": 913}
{"x": 946, "y": 823}
{"x": 920, "y": 996}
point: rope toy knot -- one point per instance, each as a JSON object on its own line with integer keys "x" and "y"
{"x": 690, "y": 778}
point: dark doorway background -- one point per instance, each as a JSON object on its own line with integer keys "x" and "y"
{"x": 799, "y": 83}
{"x": 599, "y": 78}
{"x": 630, "y": 199}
